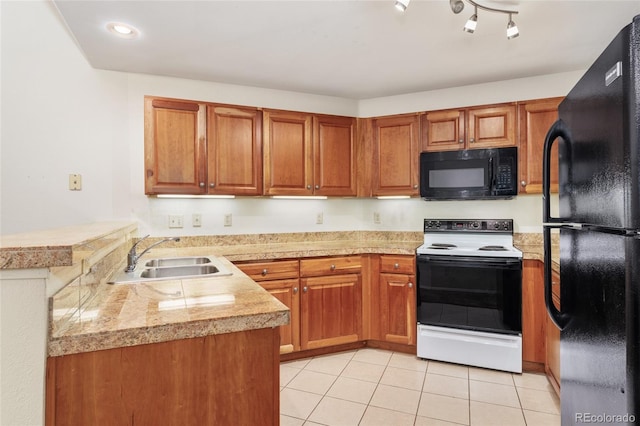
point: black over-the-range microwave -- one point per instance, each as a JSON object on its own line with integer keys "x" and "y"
{"x": 473, "y": 174}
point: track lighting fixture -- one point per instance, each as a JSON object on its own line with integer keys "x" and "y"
{"x": 401, "y": 5}
{"x": 458, "y": 5}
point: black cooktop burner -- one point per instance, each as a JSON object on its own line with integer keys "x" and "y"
{"x": 493, "y": 248}
{"x": 442, "y": 246}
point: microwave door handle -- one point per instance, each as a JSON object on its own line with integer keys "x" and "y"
{"x": 492, "y": 184}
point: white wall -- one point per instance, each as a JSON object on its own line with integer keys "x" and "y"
{"x": 60, "y": 116}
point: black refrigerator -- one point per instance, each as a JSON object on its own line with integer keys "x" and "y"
{"x": 598, "y": 139}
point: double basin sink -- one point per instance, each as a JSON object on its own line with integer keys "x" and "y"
{"x": 174, "y": 268}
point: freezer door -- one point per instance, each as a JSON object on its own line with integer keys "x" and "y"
{"x": 598, "y": 166}
{"x": 599, "y": 294}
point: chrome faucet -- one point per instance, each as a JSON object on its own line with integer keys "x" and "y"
{"x": 132, "y": 256}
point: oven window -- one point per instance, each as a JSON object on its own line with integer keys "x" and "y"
{"x": 483, "y": 294}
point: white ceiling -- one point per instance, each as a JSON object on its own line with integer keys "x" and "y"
{"x": 352, "y": 49}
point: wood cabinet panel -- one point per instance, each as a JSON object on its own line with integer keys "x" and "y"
{"x": 174, "y": 146}
{"x": 396, "y": 155}
{"x": 398, "y": 308}
{"x": 287, "y": 153}
{"x": 398, "y": 264}
{"x": 331, "y": 310}
{"x": 334, "y": 156}
{"x": 443, "y": 130}
{"x": 534, "y": 313}
{"x": 536, "y": 117}
{"x": 287, "y": 291}
{"x": 553, "y": 339}
{"x": 490, "y": 127}
{"x": 234, "y": 150}
{"x": 330, "y": 266}
{"x": 191, "y": 381}
{"x": 275, "y": 270}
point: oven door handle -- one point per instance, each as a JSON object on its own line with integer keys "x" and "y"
{"x": 471, "y": 261}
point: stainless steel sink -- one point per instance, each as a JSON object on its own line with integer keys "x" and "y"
{"x": 174, "y": 268}
{"x": 179, "y": 271}
{"x": 177, "y": 261}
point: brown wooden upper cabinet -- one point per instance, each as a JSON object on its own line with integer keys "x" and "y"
{"x": 306, "y": 154}
{"x": 396, "y": 155}
{"x": 174, "y": 146}
{"x": 536, "y": 117}
{"x": 199, "y": 148}
{"x": 481, "y": 127}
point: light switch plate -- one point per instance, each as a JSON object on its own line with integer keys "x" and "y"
{"x": 176, "y": 221}
{"x": 228, "y": 219}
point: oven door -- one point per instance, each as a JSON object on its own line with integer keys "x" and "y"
{"x": 473, "y": 293}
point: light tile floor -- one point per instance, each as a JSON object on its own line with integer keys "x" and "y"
{"x": 376, "y": 387}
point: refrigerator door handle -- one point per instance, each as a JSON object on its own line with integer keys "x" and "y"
{"x": 560, "y": 319}
{"x": 558, "y": 129}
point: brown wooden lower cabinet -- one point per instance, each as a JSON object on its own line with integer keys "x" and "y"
{"x": 398, "y": 299}
{"x": 534, "y": 313}
{"x": 552, "y": 367}
{"x": 225, "y": 379}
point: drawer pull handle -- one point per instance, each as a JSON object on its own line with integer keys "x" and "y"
{"x": 333, "y": 267}
{"x": 396, "y": 266}
{"x": 264, "y": 272}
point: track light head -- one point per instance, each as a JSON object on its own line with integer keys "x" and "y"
{"x": 471, "y": 24}
{"x": 456, "y": 6}
{"x": 512, "y": 29}
{"x": 401, "y": 5}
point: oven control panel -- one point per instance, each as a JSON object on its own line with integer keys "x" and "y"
{"x": 469, "y": 225}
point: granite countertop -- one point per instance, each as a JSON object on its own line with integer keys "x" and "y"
{"x": 122, "y": 315}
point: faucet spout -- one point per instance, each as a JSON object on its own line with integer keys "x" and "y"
{"x": 132, "y": 256}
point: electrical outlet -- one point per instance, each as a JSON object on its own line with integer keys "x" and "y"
{"x": 75, "y": 182}
{"x": 376, "y": 217}
{"x": 196, "y": 220}
{"x": 176, "y": 221}
{"x": 319, "y": 218}
{"x": 228, "y": 219}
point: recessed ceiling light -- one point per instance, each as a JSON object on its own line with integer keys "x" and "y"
{"x": 122, "y": 30}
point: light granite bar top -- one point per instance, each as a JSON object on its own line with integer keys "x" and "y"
{"x": 123, "y": 315}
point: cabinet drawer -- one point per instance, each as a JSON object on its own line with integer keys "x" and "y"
{"x": 398, "y": 264}
{"x": 330, "y": 265}
{"x": 264, "y": 271}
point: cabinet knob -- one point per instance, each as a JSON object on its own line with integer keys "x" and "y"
{"x": 212, "y": 185}
{"x": 523, "y": 183}
{"x": 201, "y": 184}
{"x": 264, "y": 272}
{"x": 308, "y": 186}
{"x": 415, "y": 186}
{"x": 396, "y": 265}
{"x": 472, "y": 140}
{"x": 304, "y": 289}
{"x": 410, "y": 285}
{"x": 461, "y": 141}
{"x": 332, "y": 267}
{"x": 295, "y": 290}
{"x": 317, "y": 186}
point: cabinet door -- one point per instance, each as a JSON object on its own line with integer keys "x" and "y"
{"x": 534, "y": 313}
{"x": 398, "y": 308}
{"x": 553, "y": 339}
{"x": 443, "y": 130}
{"x": 334, "y": 156}
{"x": 490, "y": 127}
{"x": 287, "y": 153}
{"x": 287, "y": 291}
{"x": 331, "y": 310}
{"x": 234, "y": 150}
{"x": 536, "y": 117}
{"x": 174, "y": 147}
{"x": 396, "y": 157}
